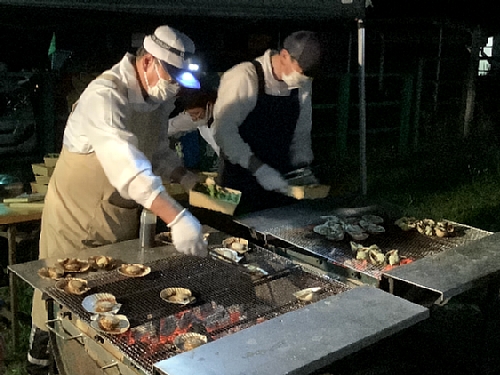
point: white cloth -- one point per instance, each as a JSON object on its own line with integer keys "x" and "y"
{"x": 237, "y": 97}
{"x": 101, "y": 123}
{"x": 183, "y": 123}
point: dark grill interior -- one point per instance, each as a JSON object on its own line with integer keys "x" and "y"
{"x": 228, "y": 298}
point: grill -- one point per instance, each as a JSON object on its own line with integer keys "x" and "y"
{"x": 294, "y": 225}
{"x": 228, "y": 299}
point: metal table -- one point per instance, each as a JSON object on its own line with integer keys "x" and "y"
{"x": 11, "y": 217}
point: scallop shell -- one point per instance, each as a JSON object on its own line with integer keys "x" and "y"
{"x": 98, "y": 302}
{"x": 374, "y": 219}
{"x": 179, "y": 296}
{"x": 226, "y": 254}
{"x": 67, "y": 285}
{"x": 121, "y": 326}
{"x": 255, "y": 270}
{"x": 73, "y": 265}
{"x": 53, "y": 273}
{"x": 134, "y": 270}
{"x": 306, "y": 294}
{"x": 189, "y": 341}
{"x": 102, "y": 262}
{"x": 240, "y": 245}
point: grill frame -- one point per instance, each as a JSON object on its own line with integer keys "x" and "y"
{"x": 263, "y": 299}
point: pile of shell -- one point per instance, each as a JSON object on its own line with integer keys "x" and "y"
{"x": 358, "y": 228}
{"x": 428, "y": 227}
{"x": 374, "y": 255}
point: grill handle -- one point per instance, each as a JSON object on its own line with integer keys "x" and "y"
{"x": 51, "y": 329}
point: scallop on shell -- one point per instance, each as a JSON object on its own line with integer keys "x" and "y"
{"x": 240, "y": 245}
{"x": 54, "y": 273}
{"x": 102, "y": 262}
{"x": 73, "y": 286}
{"x": 73, "y": 264}
{"x": 307, "y": 294}
{"x": 189, "y": 341}
{"x": 179, "y": 296}
{"x": 134, "y": 270}
{"x": 111, "y": 324}
{"x": 101, "y": 303}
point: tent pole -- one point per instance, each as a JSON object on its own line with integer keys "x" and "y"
{"x": 362, "y": 106}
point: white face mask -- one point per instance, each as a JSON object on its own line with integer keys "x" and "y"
{"x": 163, "y": 90}
{"x": 294, "y": 79}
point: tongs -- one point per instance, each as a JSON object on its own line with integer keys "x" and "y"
{"x": 297, "y": 174}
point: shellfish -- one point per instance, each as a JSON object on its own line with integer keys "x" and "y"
{"x": 307, "y": 294}
{"x": 226, "y": 254}
{"x": 102, "y": 262}
{"x": 189, "y": 341}
{"x": 134, "y": 270}
{"x": 111, "y": 324}
{"x": 73, "y": 265}
{"x": 101, "y": 303}
{"x": 240, "y": 245}
{"x": 179, "y": 296}
{"x": 73, "y": 286}
{"x": 54, "y": 273}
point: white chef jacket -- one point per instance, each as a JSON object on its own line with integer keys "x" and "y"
{"x": 101, "y": 123}
{"x": 237, "y": 97}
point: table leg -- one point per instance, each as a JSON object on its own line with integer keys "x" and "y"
{"x": 11, "y": 239}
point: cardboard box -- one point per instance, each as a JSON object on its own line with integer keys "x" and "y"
{"x": 42, "y": 170}
{"x": 50, "y": 160}
{"x": 199, "y": 197}
{"x": 44, "y": 180}
{"x": 309, "y": 191}
{"x": 39, "y": 188}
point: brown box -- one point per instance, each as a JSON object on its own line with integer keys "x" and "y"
{"x": 309, "y": 191}
{"x": 39, "y": 188}
{"x": 50, "y": 160}
{"x": 42, "y": 170}
{"x": 44, "y": 180}
{"x": 198, "y": 197}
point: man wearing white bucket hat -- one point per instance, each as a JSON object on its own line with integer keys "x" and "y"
{"x": 104, "y": 174}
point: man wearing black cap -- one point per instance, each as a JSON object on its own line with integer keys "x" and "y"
{"x": 104, "y": 173}
{"x": 262, "y": 121}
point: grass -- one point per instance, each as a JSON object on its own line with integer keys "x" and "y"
{"x": 455, "y": 179}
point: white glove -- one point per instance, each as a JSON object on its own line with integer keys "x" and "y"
{"x": 189, "y": 180}
{"x": 270, "y": 179}
{"x": 187, "y": 236}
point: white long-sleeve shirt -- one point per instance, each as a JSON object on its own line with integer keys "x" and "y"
{"x": 183, "y": 123}
{"x": 107, "y": 121}
{"x": 237, "y": 97}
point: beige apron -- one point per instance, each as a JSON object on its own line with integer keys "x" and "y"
{"x": 82, "y": 209}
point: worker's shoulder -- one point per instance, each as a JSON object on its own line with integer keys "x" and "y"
{"x": 111, "y": 80}
{"x": 242, "y": 70}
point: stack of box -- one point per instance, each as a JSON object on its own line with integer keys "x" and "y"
{"x": 43, "y": 172}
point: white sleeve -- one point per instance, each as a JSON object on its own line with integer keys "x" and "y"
{"x": 101, "y": 109}
{"x": 180, "y": 124}
{"x": 301, "y": 148}
{"x": 236, "y": 98}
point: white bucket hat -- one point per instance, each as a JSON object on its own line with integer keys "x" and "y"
{"x": 173, "y": 48}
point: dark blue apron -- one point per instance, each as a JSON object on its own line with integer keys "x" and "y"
{"x": 268, "y": 130}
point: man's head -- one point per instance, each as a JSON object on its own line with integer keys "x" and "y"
{"x": 169, "y": 51}
{"x": 304, "y": 47}
{"x": 299, "y": 58}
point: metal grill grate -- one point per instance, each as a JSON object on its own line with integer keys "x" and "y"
{"x": 229, "y": 299}
{"x": 410, "y": 244}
